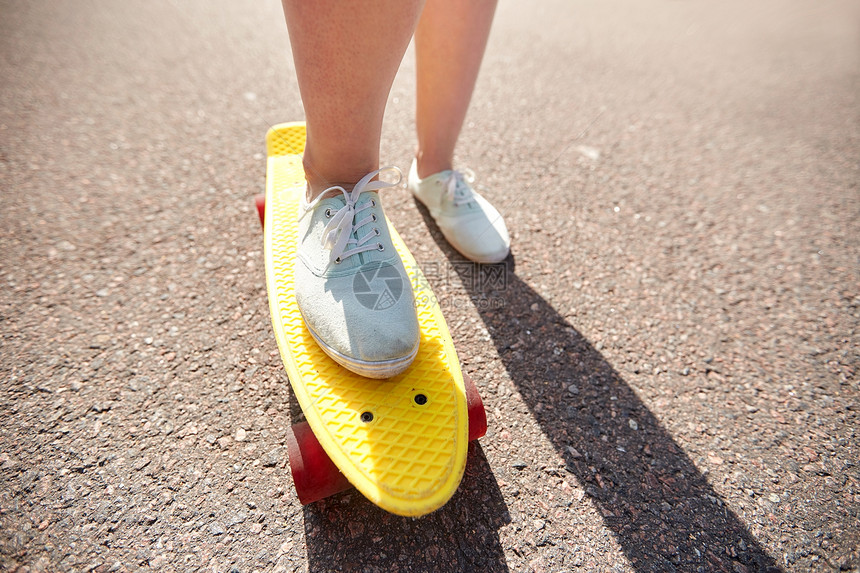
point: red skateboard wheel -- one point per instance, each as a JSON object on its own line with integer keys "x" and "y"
{"x": 260, "y": 201}
{"x": 477, "y": 414}
{"x": 316, "y": 477}
{"x": 314, "y": 474}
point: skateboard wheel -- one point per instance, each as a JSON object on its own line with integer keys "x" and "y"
{"x": 477, "y": 414}
{"x": 314, "y": 474}
{"x": 260, "y": 201}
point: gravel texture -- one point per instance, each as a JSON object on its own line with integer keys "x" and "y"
{"x": 669, "y": 359}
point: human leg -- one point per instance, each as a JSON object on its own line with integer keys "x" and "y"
{"x": 346, "y": 55}
{"x": 449, "y": 46}
{"x": 450, "y": 42}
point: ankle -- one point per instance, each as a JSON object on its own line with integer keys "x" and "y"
{"x": 317, "y": 188}
{"x": 321, "y": 178}
{"x": 427, "y": 164}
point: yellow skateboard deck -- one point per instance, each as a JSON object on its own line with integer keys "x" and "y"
{"x": 402, "y": 442}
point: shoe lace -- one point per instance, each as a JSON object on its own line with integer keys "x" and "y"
{"x": 340, "y": 232}
{"x": 459, "y": 192}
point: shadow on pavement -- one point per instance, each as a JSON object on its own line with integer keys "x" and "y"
{"x": 348, "y": 533}
{"x": 661, "y": 509}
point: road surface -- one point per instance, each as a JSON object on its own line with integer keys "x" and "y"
{"x": 669, "y": 359}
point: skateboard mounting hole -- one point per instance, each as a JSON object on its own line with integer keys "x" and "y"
{"x": 420, "y": 399}
{"x": 367, "y": 417}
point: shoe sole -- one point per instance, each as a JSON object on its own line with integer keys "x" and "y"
{"x": 369, "y": 369}
{"x": 489, "y": 260}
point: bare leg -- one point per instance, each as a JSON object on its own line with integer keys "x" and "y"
{"x": 449, "y": 45}
{"x": 346, "y": 55}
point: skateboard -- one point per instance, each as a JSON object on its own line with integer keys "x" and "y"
{"x": 402, "y": 442}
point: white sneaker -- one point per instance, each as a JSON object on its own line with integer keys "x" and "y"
{"x": 351, "y": 286}
{"x": 469, "y": 222}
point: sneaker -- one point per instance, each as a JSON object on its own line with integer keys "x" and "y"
{"x": 469, "y": 222}
{"x": 351, "y": 286}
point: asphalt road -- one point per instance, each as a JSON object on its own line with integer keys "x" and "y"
{"x": 669, "y": 360}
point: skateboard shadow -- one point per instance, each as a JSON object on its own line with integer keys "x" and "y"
{"x": 348, "y": 533}
{"x": 662, "y": 511}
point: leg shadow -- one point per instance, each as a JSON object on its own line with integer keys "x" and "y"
{"x": 348, "y": 533}
{"x": 660, "y": 508}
